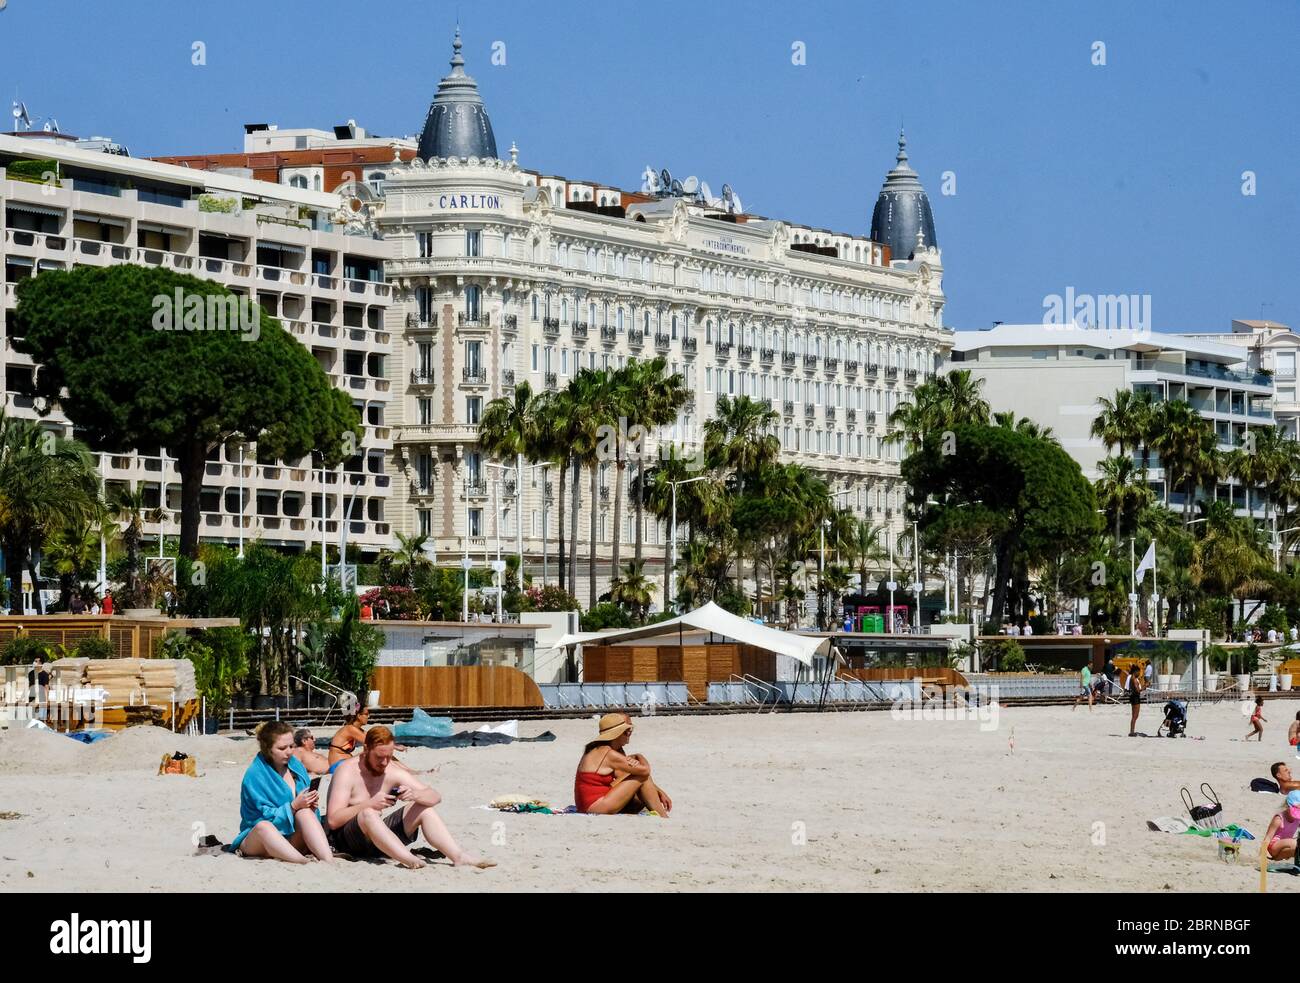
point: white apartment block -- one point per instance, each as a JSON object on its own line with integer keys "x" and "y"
{"x": 1055, "y": 374}
{"x": 502, "y": 274}
{"x": 1272, "y": 348}
{"x": 277, "y": 244}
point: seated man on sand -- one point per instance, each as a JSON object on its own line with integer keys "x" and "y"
{"x": 277, "y": 805}
{"x": 609, "y": 781}
{"x": 304, "y": 749}
{"x": 364, "y": 786}
{"x": 1280, "y": 839}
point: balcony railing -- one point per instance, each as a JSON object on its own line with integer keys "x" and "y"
{"x": 421, "y": 377}
{"x": 604, "y": 494}
{"x": 832, "y": 365}
{"x": 508, "y": 377}
{"x": 551, "y": 325}
{"x": 788, "y": 359}
{"x": 809, "y": 411}
{"x": 580, "y": 329}
{"x": 810, "y": 361}
{"x": 788, "y": 407}
{"x": 476, "y": 376}
{"x": 745, "y": 352}
{"x": 851, "y": 417}
{"x": 476, "y": 488}
{"x": 850, "y": 367}
{"x": 831, "y": 413}
{"x": 724, "y": 349}
{"x": 910, "y": 375}
{"x": 608, "y": 333}
{"x": 767, "y": 355}
{"x": 663, "y": 341}
{"x": 635, "y": 338}
{"x": 872, "y": 368}
{"x": 550, "y": 380}
{"x": 891, "y": 372}
{"x": 689, "y": 345}
{"x": 512, "y": 322}
{"x": 476, "y": 319}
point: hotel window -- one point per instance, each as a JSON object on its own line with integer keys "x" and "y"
{"x": 564, "y": 311}
{"x": 473, "y": 408}
{"x": 550, "y": 358}
{"x": 475, "y": 523}
{"x": 564, "y": 361}
{"x": 424, "y": 301}
{"x": 425, "y": 405}
{"x": 505, "y": 246}
{"x": 473, "y": 295}
{"x": 647, "y": 322}
{"x": 426, "y": 522}
{"x": 533, "y": 299}
{"x": 425, "y": 350}
{"x": 619, "y": 324}
{"x": 674, "y": 327}
{"x": 1285, "y": 365}
{"x": 534, "y": 358}
{"x": 473, "y": 242}
{"x": 473, "y": 357}
{"x": 591, "y": 314}
{"x": 424, "y": 243}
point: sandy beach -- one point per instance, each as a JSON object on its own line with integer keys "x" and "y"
{"x": 831, "y": 801}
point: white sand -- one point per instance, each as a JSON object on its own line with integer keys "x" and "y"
{"x": 885, "y": 804}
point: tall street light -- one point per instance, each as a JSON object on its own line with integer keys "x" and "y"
{"x": 672, "y": 532}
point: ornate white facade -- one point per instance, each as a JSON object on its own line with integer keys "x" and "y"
{"x": 502, "y": 275}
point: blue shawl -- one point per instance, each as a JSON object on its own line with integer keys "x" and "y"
{"x": 264, "y": 796}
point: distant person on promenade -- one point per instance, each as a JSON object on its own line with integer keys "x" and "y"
{"x": 1085, "y": 687}
{"x": 304, "y": 749}
{"x": 107, "y": 607}
{"x": 1133, "y": 687}
{"x": 1257, "y": 721}
{"x": 365, "y": 786}
{"x": 277, "y": 806}
{"x": 610, "y": 782}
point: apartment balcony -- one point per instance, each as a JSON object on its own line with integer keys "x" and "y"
{"x": 767, "y": 355}
{"x": 551, "y": 326}
{"x": 832, "y": 365}
{"x": 580, "y": 330}
{"x": 809, "y": 411}
{"x": 723, "y": 349}
{"x": 508, "y": 378}
{"x": 788, "y": 359}
{"x": 851, "y": 418}
{"x": 910, "y": 375}
{"x": 474, "y": 376}
{"x": 173, "y": 261}
{"x": 831, "y": 414}
{"x": 36, "y": 241}
{"x": 891, "y": 372}
{"x": 636, "y": 338}
{"x": 869, "y": 417}
{"x": 118, "y": 253}
{"x": 850, "y": 368}
{"x": 663, "y": 342}
{"x": 550, "y": 380}
{"x": 604, "y": 494}
{"x": 477, "y": 319}
{"x": 324, "y": 281}
{"x": 422, "y": 377}
{"x": 788, "y": 408}
{"x": 416, "y": 323}
{"x": 511, "y": 322}
{"x": 810, "y": 362}
{"x": 690, "y": 346}
{"x": 437, "y": 433}
{"x": 282, "y": 276}
{"x": 476, "y": 488}
{"x": 745, "y": 352}
{"x": 608, "y": 334}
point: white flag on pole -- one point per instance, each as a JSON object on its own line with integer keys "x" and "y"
{"x": 1148, "y": 562}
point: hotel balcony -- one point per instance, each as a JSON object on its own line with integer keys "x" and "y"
{"x": 788, "y": 359}
{"x": 850, "y": 368}
{"x": 910, "y": 375}
{"x": 891, "y": 372}
{"x": 745, "y": 352}
{"x": 474, "y": 375}
{"x": 508, "y": 378}
{"x": 872, "y": 368}
{"x": 663, "y": 342}
{"x": 809, "y": 411}
{"x": 767, "y": 355}
{"x": 723, "y": 349}
{"x": 788, "y": 407}
{"x": 550, "y": 380}
{"x": 810, "y": 362}
{"x": 476, "y": 488}
{"x": 422, "y": 377}
{"x": 608, "y": 334}
{"x": 851, "y": 418}
{"x": 832, "y": 365}
{"x": 551, "y": 326}
{"x": 635, "y": 338}
{"x": 479, "y": 319}
{"x": 511, "y": 322}
{"x": 580, "y": 330}
{"x": 689, "y": 345}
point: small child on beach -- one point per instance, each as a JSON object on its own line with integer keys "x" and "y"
{"x": 1257, "y": 720}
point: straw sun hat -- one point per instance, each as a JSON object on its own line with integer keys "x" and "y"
{"x": 613, "y": 725}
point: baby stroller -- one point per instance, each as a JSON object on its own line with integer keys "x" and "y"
{"x": 1175, "y": 722}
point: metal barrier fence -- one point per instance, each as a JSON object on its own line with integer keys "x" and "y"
{"x": 596, "y": 696}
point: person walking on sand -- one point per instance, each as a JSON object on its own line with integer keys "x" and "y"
{"x": 277, "y": 806}
{"x": 610, "y": 782}
{"x": 1085, "y": 684}
{"x": 364, "y": 786}
{"x": 1257, "y": 721}
{"x": 1133, "y": 687}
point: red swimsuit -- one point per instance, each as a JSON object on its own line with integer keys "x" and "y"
{"x": 589, "y": 787}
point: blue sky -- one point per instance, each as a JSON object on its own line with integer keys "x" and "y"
{"x": 1122, "y": 178}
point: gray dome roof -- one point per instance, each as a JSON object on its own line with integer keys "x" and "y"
{"x": 902, "y": 210}
{"x": 457, "y": 124}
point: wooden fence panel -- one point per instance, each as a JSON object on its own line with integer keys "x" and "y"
{"x": 455, "y": 686}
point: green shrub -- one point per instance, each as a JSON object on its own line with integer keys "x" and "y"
{"x": 1217, "y": 656}
{"x": 1006, "y": 655}
{"x": 1275, "y": 618}
{"x": 93, "y": 647}
{"x": 606, "y": 615}
{"x": 23, "y": 650}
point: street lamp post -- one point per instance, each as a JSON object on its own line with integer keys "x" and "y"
{"x": 672, "y": 534}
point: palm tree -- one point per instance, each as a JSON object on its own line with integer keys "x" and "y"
{"x": 865, "y": 548}
{"x": 1127, "y": 421}
{"x": 1007, "y": 421}
{"x": 410, "y": 559}
{"x": 1121, "y": 490}
{"x": 631, "y": 590}
{"x": 655, "y": 400}
{"x": 72, "y": 551}
{"x": 132, "y": 509}
{"x": 551, "y": 444}
{"x": 46, "y": 482}
{"x": 1186, "y": 443}
{"x": 950, "y": 400}
{"x": 508, "y": 428}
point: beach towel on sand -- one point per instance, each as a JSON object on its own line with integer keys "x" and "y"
{"x": 474, "y": 738}
{"x": 1265, "y": 785}
{"x": 1230, "y": 832}
{"x": 263, "y": 795}
{"x": 1167, "y": 824}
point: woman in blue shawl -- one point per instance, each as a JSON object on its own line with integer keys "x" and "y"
{"x": 277, "y": 808}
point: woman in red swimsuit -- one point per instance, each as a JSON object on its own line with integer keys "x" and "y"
{"x": 610, "y": 782}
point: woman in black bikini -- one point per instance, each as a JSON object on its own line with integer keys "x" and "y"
{"x": 347, "y": 737}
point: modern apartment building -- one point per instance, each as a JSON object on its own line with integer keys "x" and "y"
{"x": 503, "y": 274}
{"x": 304, "y": 257}
{"x": 1274, "y": 349}
{"x": 1055, "y": 374}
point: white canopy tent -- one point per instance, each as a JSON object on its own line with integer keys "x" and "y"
{"x": 712, "y": 618}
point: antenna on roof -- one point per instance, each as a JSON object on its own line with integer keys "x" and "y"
{"x": 665, "y": 182}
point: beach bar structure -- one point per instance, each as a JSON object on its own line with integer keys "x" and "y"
{"x": 703, "y": 647}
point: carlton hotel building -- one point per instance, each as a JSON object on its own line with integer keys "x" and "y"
{"x": 503, "y": 274}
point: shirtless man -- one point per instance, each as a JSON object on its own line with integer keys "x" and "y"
{"x": 1282, "y": 775}
{"x": 364, "y": 786}
{"x": 304, "y": 749}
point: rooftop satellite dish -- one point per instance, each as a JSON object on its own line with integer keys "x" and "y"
{"x": 691, "y": 185}
{"x": 665, "y": 180}
{"x": 677, "y": 188}
{"x": 736, "y": 206}
{"x": 649, "y": 180}
{"x": 707, "y": 194}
